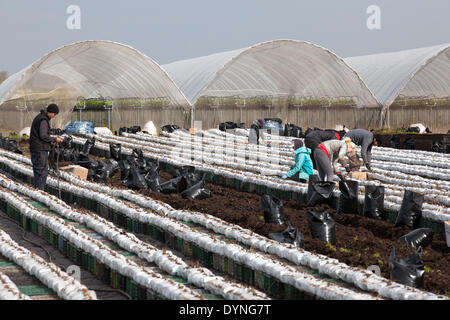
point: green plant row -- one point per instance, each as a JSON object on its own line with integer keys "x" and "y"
{"x": 420, "y": 102}
{"x": 268, "y": 101}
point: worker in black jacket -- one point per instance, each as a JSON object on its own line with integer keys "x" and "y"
{"x": 41, "y": 144}
{"x": 316, "y": 137}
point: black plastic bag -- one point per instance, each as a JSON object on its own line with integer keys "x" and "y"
{"x": 437, "y": 146}
{"x": 68, "y": 155}
{"x": 170, "y": 128}
{"x": 348, "y": 200}
{"x": 183, "y": 170}
{"x": 410, "y": 210}
{"x": 273, "y": 209}
{"x": 134, "y": 129}
{"x": 125, "y": 168}
{"x": 394, "y": 142}
{"x": 153, "y": 179}
{"x": 197, "y": 192}
{"x": 407, "y": 271}
{"x": 123, "y": 129}
{"x": 409, "y": 144}
{"x": 171, "y": 186}
{"x": 115, "y": 150}
{"x": 291, "y": 130}
{"x": 421, "y": 237}
{"x": 319, "y": 192}
{"x": 86, "y": 162}
{"x": 227, "y": 126}
{"x": 135, "y": 181}
{"x": 290, "y": 235}
{"x": 105, "y": 170}
{"x": 137, "y": 153}
{"x": 67, "y": 142}
{"x": 11, "y": 145}
{"x": 413, "y": 129}
{"x": 321, "y": 225}
{"x": 88, "y": 145}
{"x": 374, "y": 202}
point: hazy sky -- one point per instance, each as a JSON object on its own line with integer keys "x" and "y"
{"x": 172, "y": 30}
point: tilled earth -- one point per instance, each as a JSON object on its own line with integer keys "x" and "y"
{"x": 360, "y": 241}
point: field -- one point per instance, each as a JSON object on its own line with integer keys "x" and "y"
{"x": 227, "y": 233}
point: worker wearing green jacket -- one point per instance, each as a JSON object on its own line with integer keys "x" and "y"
{"x": 303, "y": 167}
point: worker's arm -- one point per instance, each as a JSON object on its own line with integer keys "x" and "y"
{"x": 341, "y": 158}
{"x": 298, "y": 166}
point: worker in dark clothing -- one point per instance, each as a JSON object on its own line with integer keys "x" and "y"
{"x": 253, "y": 136}
{"x": 366, "y": 140}
{"x": 316, "y": 137}
{"x": 41, "y": 144}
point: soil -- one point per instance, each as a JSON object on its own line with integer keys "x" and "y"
{"x": 422, "y": 141}
{"x": 360, "y": 241}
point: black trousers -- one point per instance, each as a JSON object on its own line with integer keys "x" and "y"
{"x": 312, "y": 144}
{"x": 40, "y": 168}
{"x": 253, "y": 136}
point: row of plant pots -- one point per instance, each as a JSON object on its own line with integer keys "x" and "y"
{"x": 48, "y": 273}
{"x": 143, "y": 201}
{"x": 9, "y": 290}
{"x": 166, "y": 260}
{"x": 274, "y": 182}
{"x": 379, "y": 284}
{"x": 314, "y": 286}
{"x": 143, "y": 276}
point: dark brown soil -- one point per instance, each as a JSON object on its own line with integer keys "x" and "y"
{"x": 361, "y": 241}
{"x": 422, "y": 141}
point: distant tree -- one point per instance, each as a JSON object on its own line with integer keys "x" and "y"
{"x": 3, "y": 76}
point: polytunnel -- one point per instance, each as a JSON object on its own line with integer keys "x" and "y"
{"x": 296, "y": 81}
{"x": 105, "y": 82}
{"x": 412, "y": 85}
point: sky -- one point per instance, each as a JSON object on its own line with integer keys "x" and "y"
{"x": 172, "y": 30}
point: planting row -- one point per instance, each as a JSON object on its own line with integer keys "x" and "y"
{"x": 9, "y": 291}
{"x": 372, "y": 283}
{"x": 48, "y": 273}
{"x": 165, "y": 259}
{"x": 248, "y": 177}
{"x": 257, "y": 264}
{"x": 118, "y": 263}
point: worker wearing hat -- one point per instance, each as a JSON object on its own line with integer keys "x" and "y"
{"x": 41, "y": 144}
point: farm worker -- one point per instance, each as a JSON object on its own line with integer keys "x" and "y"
{"x": 303, "y": 167}
{"x": 40, "y": 144}
{"x": 355, "y": 163}
{"x": 316, "y": 137}
{"x": 366, "y": 140}
{"x": 253, "y": 136}
{"x": 328, "y": 154}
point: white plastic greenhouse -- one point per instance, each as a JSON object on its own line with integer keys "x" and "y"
{"x": 101, "y": 70}
{"x": 294, "y": 80}
{"x": 412, "y": 85}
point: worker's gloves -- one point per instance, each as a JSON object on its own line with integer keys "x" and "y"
{"x": 284, "y": 177}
